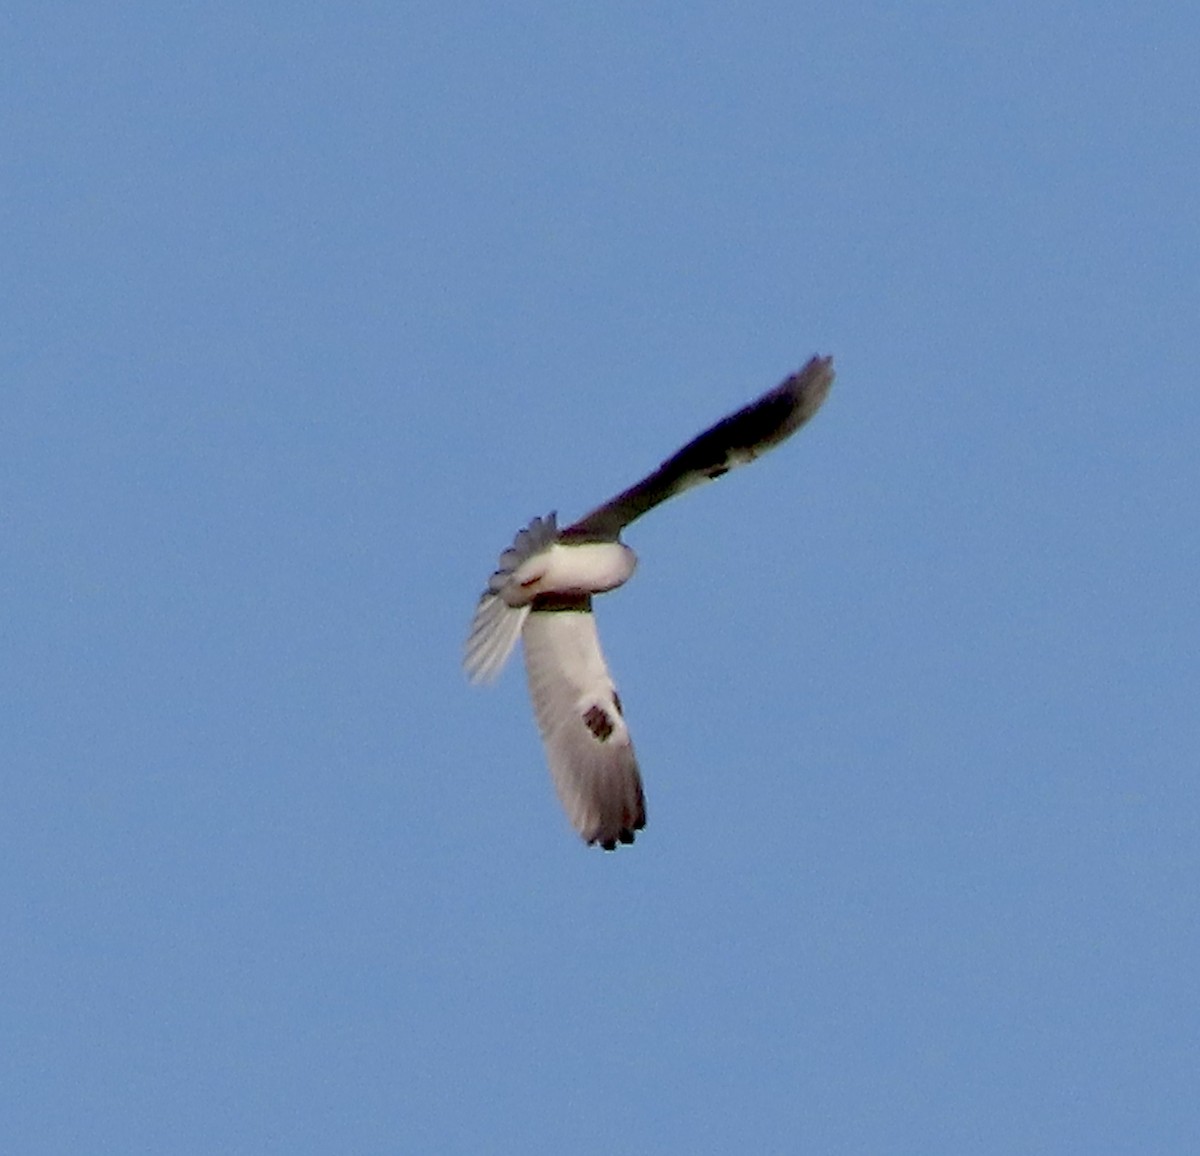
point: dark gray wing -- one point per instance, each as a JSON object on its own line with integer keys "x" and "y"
{"x": 733, "y": 441}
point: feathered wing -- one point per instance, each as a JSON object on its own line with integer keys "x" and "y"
{"x": 579, "y": 715}
{"x": 496, "y": 625}
{"x": 733, "y": 441}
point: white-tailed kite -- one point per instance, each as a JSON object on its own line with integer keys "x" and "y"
{"x": 543, "y": 591}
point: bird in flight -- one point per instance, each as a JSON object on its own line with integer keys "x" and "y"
{"x": 542, "y": 592}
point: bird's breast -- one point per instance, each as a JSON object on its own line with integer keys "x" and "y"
{"x": 586, "y": 568}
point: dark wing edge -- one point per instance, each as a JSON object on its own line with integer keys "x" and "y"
{"x": 733, "y": 441}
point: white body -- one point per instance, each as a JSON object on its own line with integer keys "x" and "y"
{"x": 587, "y": 568}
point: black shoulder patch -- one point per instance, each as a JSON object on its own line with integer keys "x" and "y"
{"x": 557, "y": 600}
{"x": 598, "y": 722}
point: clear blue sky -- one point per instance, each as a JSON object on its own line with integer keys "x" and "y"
{"x": 306, "y": 308}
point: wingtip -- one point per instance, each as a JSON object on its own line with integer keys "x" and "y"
{"x": 810, "y": 387}
{"x": 633, "y": 820}
{"x": 625, "y": 836}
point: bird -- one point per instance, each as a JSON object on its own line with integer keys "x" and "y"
{"x": 542, "y": 590}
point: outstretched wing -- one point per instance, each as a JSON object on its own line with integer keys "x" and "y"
{"x": 579, "y": 714}
{"x": 733, "y": 441}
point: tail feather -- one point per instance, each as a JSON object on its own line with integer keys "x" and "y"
{"x": 496, "y": 625}
{"x": 494, "y": 633}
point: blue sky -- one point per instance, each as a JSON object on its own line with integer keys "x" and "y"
{"x": 307, "y": 308}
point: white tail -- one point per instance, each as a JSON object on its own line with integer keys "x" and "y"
{"x": 496, "y": 625}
